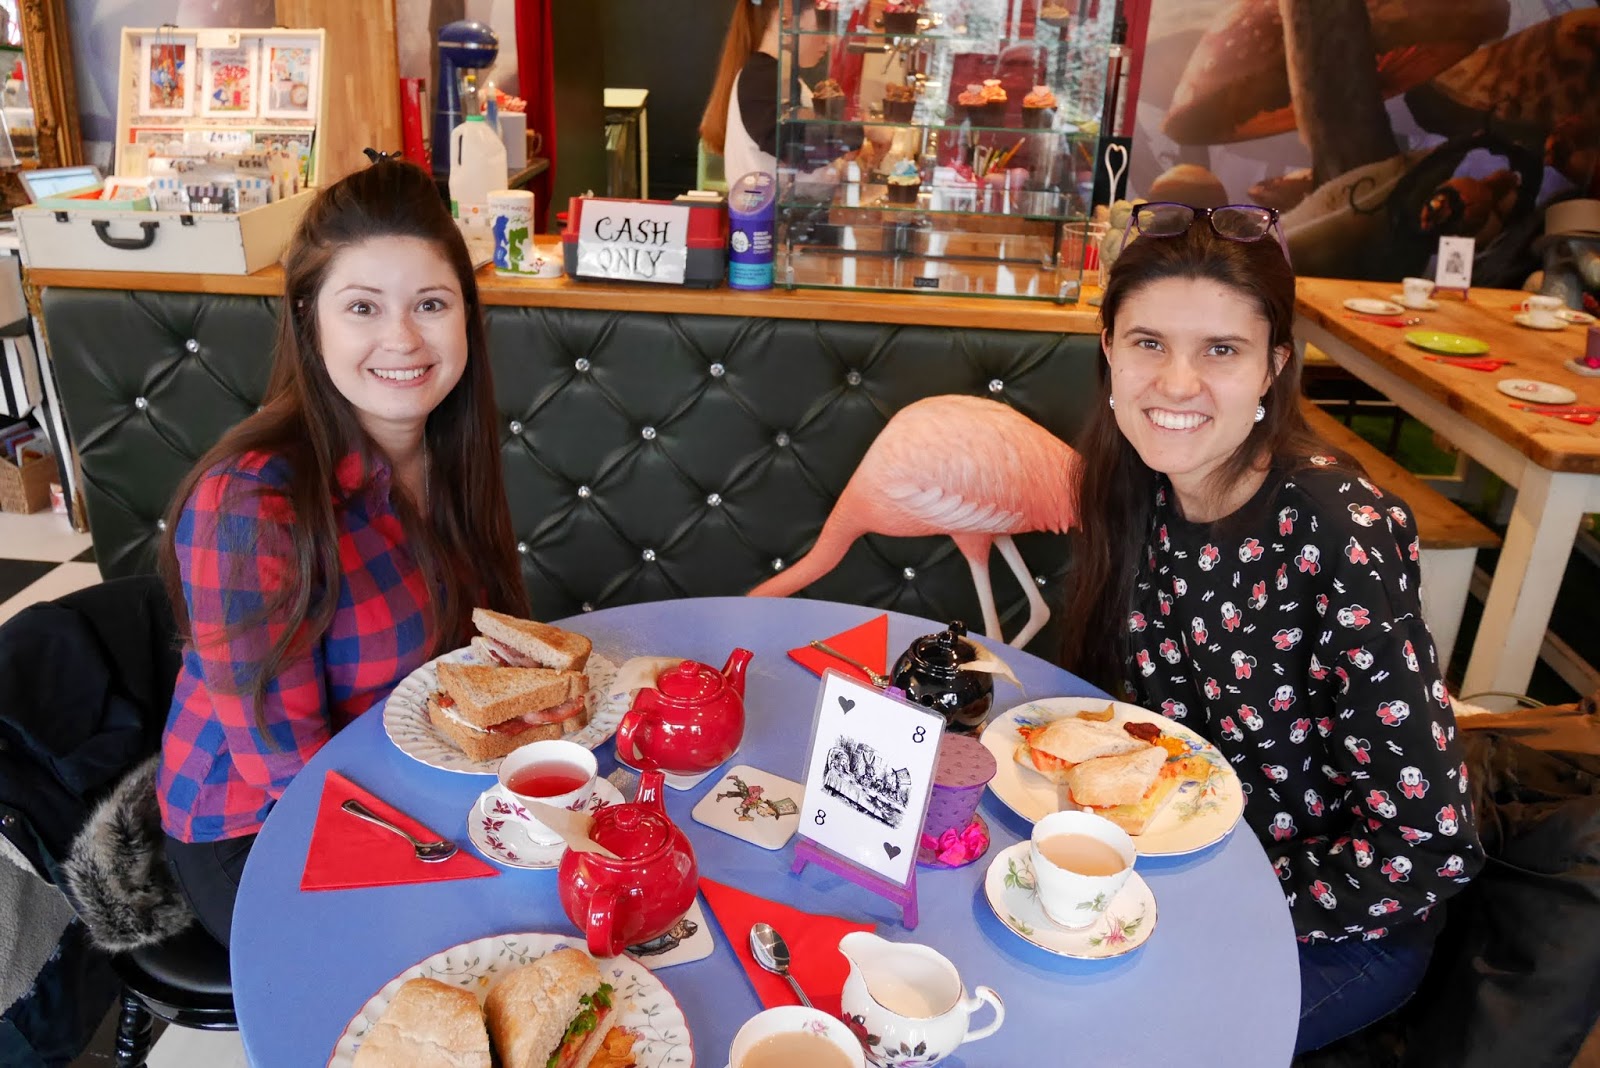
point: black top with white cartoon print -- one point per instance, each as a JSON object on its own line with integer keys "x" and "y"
{"x": 1292, "y": 638}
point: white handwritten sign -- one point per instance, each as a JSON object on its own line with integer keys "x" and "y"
{"x": 869, "y": 776}
{"x": 634, "y": 241}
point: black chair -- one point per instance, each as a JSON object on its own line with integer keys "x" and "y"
{"x": 50, "y": 783}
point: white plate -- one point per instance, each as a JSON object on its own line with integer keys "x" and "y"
{"x": 503, "y": 840}
{"x": 1523, "y": 319}
{"x": 1428, "y": 305}
{"x": 1530, "y": 389}
{"x": 645, "y": 1007}
{"x": 1576, "y": 317}
{"x": 1373, "y": 306}
{"x": 1122, "y": 928}
{"x": 1194, "y": 819}
{"x": 406, "y": 722}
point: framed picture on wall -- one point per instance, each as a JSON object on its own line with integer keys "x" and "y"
{"x": 230, "y": 81}
{"x": 166, "y": 76}
{"x": 289, "y": 77}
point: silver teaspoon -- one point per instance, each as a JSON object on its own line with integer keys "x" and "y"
{"x": 428, "y": 852}
{"x": 772, "y": 953}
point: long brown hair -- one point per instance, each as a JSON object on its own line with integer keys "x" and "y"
{"x": 464, "y": 545}
{"x": 1116, "y": 492}
{"x": 748, "y": 26}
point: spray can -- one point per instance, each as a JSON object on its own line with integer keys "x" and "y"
{"x": 752, "y": 210}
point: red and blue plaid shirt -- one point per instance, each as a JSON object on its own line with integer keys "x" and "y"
{"x": 219, "y": 774}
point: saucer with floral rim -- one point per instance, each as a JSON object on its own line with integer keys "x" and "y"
{"x": 500, "y": 837}
{"x": 1124, "y": 926}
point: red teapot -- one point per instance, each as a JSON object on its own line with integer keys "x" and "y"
{"x": 690, "y": 721}
{"x": 623, "y": 902}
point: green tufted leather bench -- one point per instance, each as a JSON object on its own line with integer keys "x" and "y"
{"x": 647, "y": 455}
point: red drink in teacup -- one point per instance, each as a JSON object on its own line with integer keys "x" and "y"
{"x": 556, "y": 773}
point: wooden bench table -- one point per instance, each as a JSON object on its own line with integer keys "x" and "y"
{"x": 1554, "y": 465}
{"x": 1450, "y": 536}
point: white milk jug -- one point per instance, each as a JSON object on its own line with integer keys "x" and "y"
{"x": 477, "y": 168}
{"x": 906, "y": 1003}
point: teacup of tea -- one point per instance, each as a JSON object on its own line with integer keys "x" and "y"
{"x": 792, "y": 1036}
{"x": 1414, "y": 292}
{"x": 1543, "y": 311}
{"x": 1080, "y": 861}
{"x": 553, "y": 772}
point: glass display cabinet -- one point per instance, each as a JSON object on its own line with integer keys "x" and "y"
{"x": 942, "y": 146}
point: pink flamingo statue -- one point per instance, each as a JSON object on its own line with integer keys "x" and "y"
{"x": 971, "y": 468}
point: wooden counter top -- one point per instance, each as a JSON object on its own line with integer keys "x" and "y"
{"x": 913, "y": 309}
{"x": 1486, "y": 314}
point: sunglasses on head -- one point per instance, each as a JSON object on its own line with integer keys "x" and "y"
{"x": 1236, "y": 222}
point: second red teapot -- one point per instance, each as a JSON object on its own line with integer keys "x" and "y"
{"x": 690, "y": 721}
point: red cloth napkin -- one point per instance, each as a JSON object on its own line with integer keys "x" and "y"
{"x": 814, "y": 957}
{"x": 868, "y": 643}
{"x": 347, "y": 852}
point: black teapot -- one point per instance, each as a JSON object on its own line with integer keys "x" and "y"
{"x": 930, "y": 674}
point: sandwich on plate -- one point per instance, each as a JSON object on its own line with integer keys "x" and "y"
{"x": 428, "y": 1024}
{"x": 553, "y": 1013}
{"x": 517, "y": 642}
{"x": 1111, "y": 771}
{"x": 486, "y": 712}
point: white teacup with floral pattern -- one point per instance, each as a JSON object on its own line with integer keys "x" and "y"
{"x": 793, "y": 1019}
{"x": 504, "y": 799}
{"x": 1071, "y": 898}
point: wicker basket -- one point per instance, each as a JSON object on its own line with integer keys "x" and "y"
{"x": 27, "y": 488}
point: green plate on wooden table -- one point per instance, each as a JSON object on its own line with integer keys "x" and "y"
{"x": 1447, "y": 344}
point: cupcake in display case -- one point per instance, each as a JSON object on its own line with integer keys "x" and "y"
{"x": 827, "y": 99}
{"x": 899, "y": 102}
{"x": 904, "y": 183}
{"x": 1039, "y": 108}
{"x": 993, "y": 110}
{"x": 900, "y": 16}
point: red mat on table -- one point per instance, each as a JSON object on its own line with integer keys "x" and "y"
{"x": 348, "y": 852}
{"x": 815, "y": 960}
{"x": 868, "y": 643}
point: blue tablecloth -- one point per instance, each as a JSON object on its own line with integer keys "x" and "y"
{"x": 1217, "y": 983}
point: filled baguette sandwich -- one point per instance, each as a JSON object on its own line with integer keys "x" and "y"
{"x": 515, "y": 642}
{"x": 486, "y": 712}
{"x": 553, "y": 1013}
{"x": 428, "y": 1024}
{"x": 1055, "y": 747}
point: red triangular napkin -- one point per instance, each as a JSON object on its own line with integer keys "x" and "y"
{"x": 814, "y": 957}
{"x": 347, "y": 852}
{"x": 868, "y": 643}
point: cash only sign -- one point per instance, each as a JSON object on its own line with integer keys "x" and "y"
{"x": 634, "y": 241}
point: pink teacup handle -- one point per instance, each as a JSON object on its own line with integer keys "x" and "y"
{"x": 981, "y": 994}
{"x": 601, "y": 928}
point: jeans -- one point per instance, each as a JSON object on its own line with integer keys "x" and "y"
{"x": 208, "y": 874}
{"x": 1345, "y": 986}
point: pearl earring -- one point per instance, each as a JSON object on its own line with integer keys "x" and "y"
{"x": 1111, "y": 401}
{"x": 1261, "y": 412}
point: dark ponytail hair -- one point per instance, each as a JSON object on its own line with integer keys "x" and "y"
{"x": 1116, "y": 493}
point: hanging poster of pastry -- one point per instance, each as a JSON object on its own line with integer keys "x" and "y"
{"x": 229, "y": 80}
{"x": 289, "y": 72}
{"x": 166, "y": 74}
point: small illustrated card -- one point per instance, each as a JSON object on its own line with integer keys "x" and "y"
{"x": 689, "y": 940}
{"x": 289, "y": 72}
{"x": 165, "y": 81}
{"x": 1454, "y": 270}
{"x": 229, "y": 81}
{"x": 868, "y": 776}
{"x": 748, "y": 803}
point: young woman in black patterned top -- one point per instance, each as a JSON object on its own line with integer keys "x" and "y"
{"x": 1272, "y": 603}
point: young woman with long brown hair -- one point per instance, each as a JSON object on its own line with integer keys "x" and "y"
{"x": 1269, "y": 598}
{"x": 741, "y": 117}
{"x": 340, "y": 537}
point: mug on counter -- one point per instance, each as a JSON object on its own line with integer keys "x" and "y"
{"x": 514, "y": 133}
{"x": 511, "y": 221}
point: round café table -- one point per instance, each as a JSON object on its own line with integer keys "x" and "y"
{"x": 1217, "y": 983}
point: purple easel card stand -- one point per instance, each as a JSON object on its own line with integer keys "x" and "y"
{"x": 808, "y": 852}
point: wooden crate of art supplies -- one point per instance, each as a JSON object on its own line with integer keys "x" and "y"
{"x": 27, "y": 467}
{"x": 216, "y": 157}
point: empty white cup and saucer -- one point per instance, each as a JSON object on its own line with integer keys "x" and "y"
{"x": 1417, "y": 294}
{"x": 559, "y": 773}
{"x": 1542, "y": 313}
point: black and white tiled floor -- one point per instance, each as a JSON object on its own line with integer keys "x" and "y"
{"x": 42, "y": 558}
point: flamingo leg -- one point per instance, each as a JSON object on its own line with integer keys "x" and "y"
{"x": 1038, "y": 611}
{"x": 975, "y": 547}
